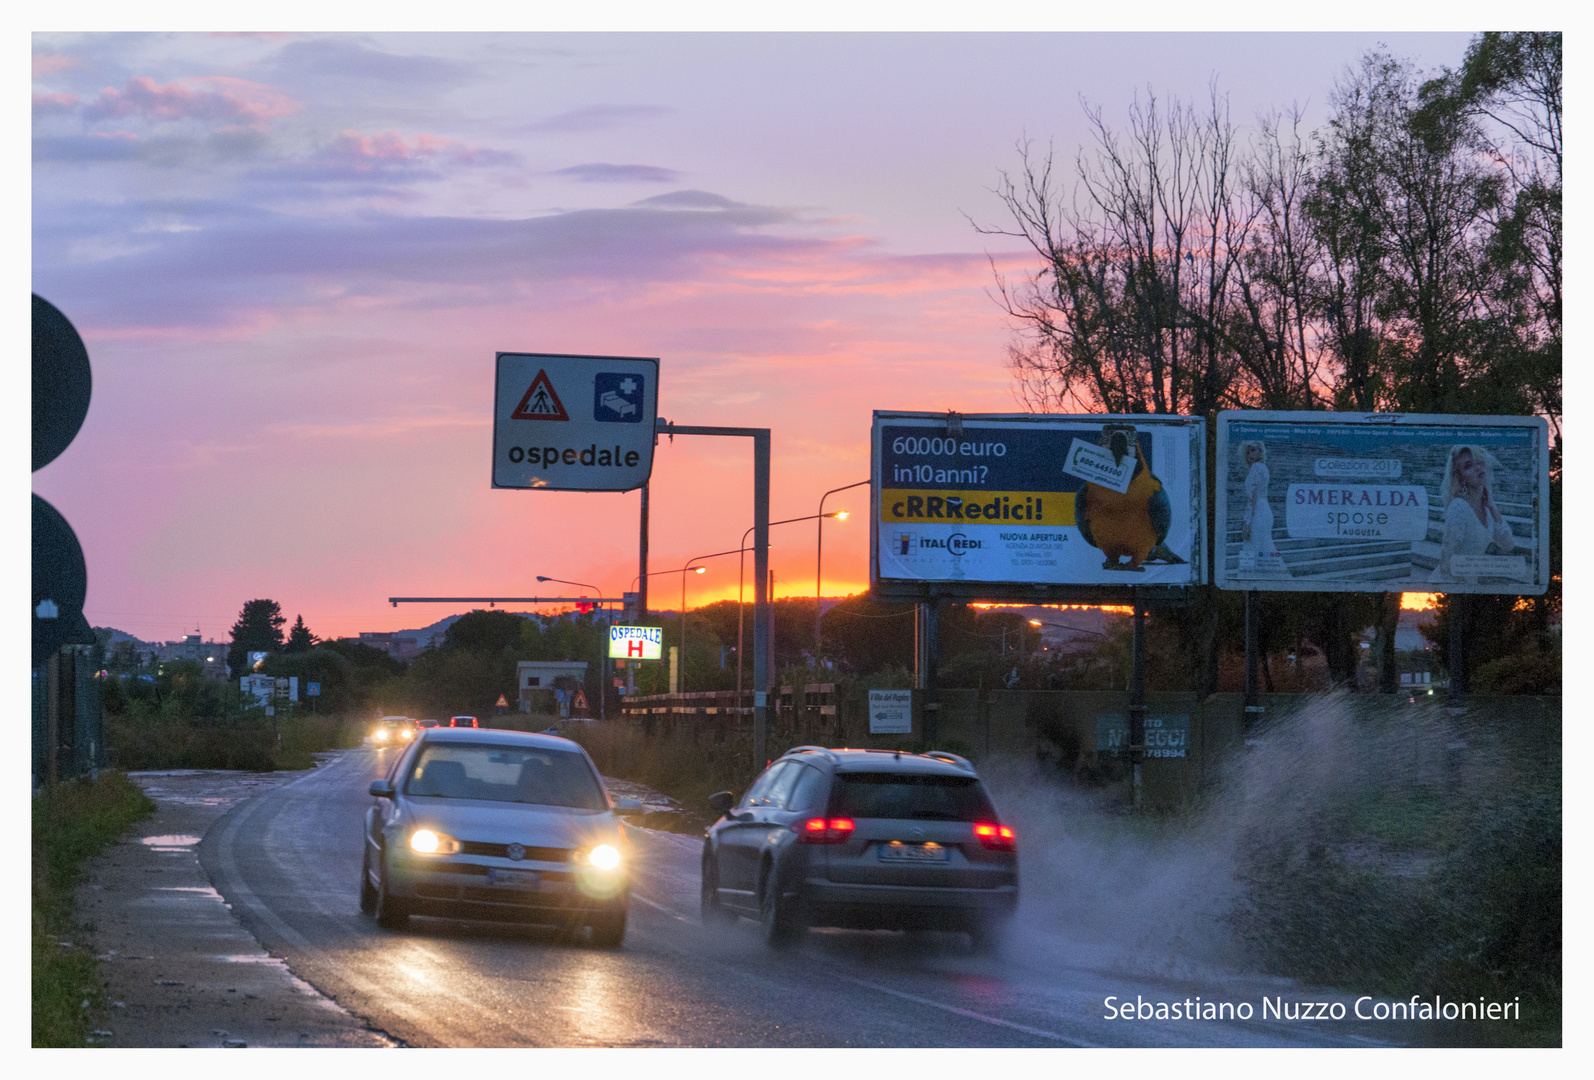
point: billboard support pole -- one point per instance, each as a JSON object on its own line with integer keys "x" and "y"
{"x": 932, "y": 663}
{"x": 1253, "y": 708}
{"x": 1137, "y": 701}
{"x": 1459, "y": 675}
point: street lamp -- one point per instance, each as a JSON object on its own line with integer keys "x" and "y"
{"x": 819, "y": 553}
{"x": 740, "y": 578}
{"x": 603, "y": 650}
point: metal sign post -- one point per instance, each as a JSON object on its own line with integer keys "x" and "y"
{"x": 761, "y": 609}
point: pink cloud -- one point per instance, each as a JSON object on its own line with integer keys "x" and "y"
{"x": 389, "y": 147}
{"x": 49, "y": 63}
{"x": 49, "y": 103}
{"x": 215, "y": 98}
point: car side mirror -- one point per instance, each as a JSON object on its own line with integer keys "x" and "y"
{"x": 382, "y": 789}
{"x": 628, "y": 807}
{"x": 722, "y": 801}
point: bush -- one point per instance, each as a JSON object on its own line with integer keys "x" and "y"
{"x": 71, "y": 823}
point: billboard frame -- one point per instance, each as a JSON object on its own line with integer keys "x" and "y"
{"x": 1387, "y": 421}
{"x": 1040, "y": 593}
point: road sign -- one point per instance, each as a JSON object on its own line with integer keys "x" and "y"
{"x": 503, "y": 702}
{"x": 578, "y": 700}
{"x": 891, "y": 712}
{"x": 1351, "y": 502}
{"x": 1037, "y": 500}
{"x": 636, "y": 643}
{"x": 574, "y": 423}
{"x": 62, "y": 382}
{"x": 312, "y": 689}
{"x": 60, "y": 582}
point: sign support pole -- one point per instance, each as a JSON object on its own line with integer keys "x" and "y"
{"x": 1253, "y": 708}
{"x": 1137, "y": 701}
{"x": 1460, "y": 683}
{"x": 761, "y": 610}
{"x": 642, "y": 556}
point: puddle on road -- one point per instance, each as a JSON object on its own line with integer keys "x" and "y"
{"x": 170, "y": 843}
{"x": 253, "y": 958}
{"x": 202, "y": 890}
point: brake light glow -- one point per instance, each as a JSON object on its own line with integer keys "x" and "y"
{"x": 996, "y": 837}
{"x": 826, "y": 830}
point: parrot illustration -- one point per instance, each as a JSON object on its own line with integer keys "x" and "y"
{"x": 1133, "y": 524}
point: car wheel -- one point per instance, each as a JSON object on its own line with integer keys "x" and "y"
{"x": 391, "y": 912}
{"x": 776, "y": 913}
{"x": 608, "y": 931}
{"x": 367, "y": 890}
{"x": 711, "y": 911}
{"x": 987, "y": 934}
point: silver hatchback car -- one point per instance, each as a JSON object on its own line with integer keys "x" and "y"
{"x": 476, "y": 823}
{"x": 868, "y": 839}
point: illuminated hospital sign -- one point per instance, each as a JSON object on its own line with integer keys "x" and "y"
{"x": 635, "y": 642}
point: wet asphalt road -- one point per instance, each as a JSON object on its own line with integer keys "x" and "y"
{"x": 288, "y": 863}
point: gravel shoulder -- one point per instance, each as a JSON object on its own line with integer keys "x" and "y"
{"x": 179, "y": 968}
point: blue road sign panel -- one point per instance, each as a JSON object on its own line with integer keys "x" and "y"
{"x": 617, "y": 398}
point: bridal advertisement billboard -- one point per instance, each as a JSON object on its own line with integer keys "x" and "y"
{"x": 1038, "y": 499}
{"x": 1349, "y": 502}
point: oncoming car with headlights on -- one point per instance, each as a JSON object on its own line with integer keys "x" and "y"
{"x": 476, "y": 823}
{"x": 393, "y": 731}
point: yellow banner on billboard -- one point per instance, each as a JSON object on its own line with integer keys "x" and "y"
{"x": 901, "y": 506}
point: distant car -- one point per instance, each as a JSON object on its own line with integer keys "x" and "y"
{"x": 866, "y": 839}
{"x": 500, "y": 825}
{"x": 427, "y": 723}
{"x": 463, "y": 721}
{"x": 393, "y": 731}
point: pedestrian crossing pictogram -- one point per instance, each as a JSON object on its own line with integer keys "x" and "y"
{"x": 540, "y": 402}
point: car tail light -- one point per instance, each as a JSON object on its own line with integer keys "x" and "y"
{"x": 820, "y": 830}
{"x": 996, "y": 837}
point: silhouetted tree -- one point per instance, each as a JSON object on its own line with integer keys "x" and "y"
{"x": 258, "y": 629}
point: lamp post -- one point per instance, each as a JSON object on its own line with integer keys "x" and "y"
{"x": 819, "y": 560}
{"x": 603, "y": 652}
{"x": 683, "y": 571}
{"x": 740, "y": 578}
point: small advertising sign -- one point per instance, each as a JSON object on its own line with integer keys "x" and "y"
{"x": 891, "y": 712}
{"x": 1346, "y": 502}
{"x": 636, "y": 643}
{"x": 574, "y": 423}
{"x": 1026, "y": 499}
{"x": 1166, "y": 736}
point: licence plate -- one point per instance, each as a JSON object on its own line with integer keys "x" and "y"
{"x": 897, "y": 851}
{"x": 514, "y": 879}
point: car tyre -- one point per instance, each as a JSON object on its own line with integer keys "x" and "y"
{"x": 368, "y": 893}
{"x": 777, "y": 914}
{"x": 712, "y": 912}
{"x": 391, "y": 912}
{"x": 608, "y": 930}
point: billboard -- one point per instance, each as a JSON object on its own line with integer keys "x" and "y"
{"x": 635, "y": 642}
{"x": 1349, "y": 502}
{"x": 1047, "y": 500}
{"x": 574, "y": 423}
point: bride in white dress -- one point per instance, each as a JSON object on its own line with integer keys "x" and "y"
{"x": 1256, "y": 532}
{"x": 1472, "y": 521}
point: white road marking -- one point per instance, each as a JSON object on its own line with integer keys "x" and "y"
{"x": 656, "y": 906}
{"x": 970, "y": 1013}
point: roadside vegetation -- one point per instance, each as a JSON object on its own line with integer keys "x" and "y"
{"x": 71, "y": 823}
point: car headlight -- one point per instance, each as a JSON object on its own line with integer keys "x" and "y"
{"x": 603, "y": 857}
{"x": 427, "y": 842}
{"x": 406, "y": 734}
{"x": 380, "y": 734}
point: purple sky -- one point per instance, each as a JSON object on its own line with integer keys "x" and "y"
{"x": 293, "y": 257}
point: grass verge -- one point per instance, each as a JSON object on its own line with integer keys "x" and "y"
{"x": 71, "y": 823}
{"x": 256, "y": 745}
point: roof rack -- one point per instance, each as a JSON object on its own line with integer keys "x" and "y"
{"x": 950, "y": 758}
{"x": 812, "y": 750}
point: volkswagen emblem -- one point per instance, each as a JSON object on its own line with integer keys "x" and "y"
{"x": 916, "y": 831}
{"x": 515, "y": 852}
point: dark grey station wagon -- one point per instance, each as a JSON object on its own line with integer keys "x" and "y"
{"x": 865, "y": 839}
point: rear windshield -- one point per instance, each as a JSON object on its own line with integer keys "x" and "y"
{"x": 905, "y": 795}
{"x": 512, "y": 774}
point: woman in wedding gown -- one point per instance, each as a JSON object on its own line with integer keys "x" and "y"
{"x": 1256, "y": 531}
{"x": 1472, "y": 521}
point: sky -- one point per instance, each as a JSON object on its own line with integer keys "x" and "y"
{"x": 293, "y": 257}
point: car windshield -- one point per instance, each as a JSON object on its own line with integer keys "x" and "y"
{"x": 909, "y": 795}
{"x": 514, "y": 774}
